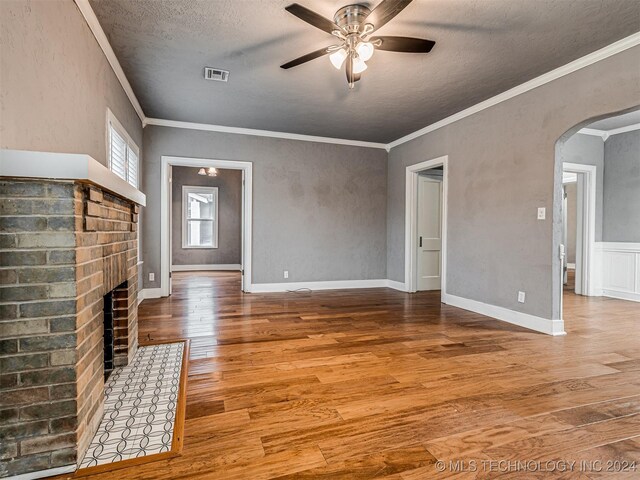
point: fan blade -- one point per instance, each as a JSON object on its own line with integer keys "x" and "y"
{"x": 404, "y": 44}
{"x": 312, "y": 18}
{"x": 385, "y": 12}
{"x": 305, "y": 58}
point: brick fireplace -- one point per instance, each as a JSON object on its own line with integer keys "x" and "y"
{"x": 65, "y": 246}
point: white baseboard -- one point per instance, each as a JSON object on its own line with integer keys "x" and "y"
{"x": 44, "y": 473}
{"x": 539, "y": 324}
{"x": 397, "y": 285}
{"x": 146, "y": 293}
{"x": 206, "y": 267}
{"x": 325, "y": 285}
{"x": 634, "y": 297}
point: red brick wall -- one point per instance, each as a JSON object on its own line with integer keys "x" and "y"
{"x": 63, "y": 245}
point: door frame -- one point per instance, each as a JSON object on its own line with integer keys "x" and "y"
{"x": 587, "y": 222}
{"x": 165, "y": 213}
{"x": 411, "y": 222}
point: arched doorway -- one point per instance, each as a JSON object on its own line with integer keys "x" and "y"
{"x": 595, "y": 257}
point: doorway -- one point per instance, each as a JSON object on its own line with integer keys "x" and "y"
{"x": 167, "y": 164}
{"x": 426, "y": 226}
{"x": 578, "y": 227}
{"x": 206, "y": 219}
{"x": 571, "y": 225}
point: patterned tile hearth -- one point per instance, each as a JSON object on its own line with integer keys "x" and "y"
{"x": 140, "y": 407}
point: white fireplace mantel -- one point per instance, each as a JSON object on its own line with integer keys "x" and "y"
{"x": 66, "y": 166}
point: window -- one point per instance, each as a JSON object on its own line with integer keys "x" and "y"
{"x": 122, "y": 152}
{"x": 199, "y": 217}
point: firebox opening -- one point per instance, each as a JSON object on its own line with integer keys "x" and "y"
{"x": 115, "y": 320}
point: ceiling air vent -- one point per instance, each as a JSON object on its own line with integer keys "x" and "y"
{"x": 216, "y": 74}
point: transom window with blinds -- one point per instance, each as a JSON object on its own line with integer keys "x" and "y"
{"x": 122, "y": 152}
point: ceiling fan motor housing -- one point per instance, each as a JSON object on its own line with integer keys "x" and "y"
{"x": 351, "y": 17}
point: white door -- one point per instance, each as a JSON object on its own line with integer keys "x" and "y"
{"x": 429, "y": 233}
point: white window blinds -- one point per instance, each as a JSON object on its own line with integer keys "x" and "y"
{"x": 132, "y": 163}
{"x": 117, "y": 153}
{"x": 123, "y": 153}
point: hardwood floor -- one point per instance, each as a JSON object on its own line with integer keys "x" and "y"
{"x": 570, "y": 286}
{"x": 363, "y": 384}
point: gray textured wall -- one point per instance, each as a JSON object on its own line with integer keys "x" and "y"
{"x": 587, "y": 150}
{"x": 56, "y": 82}
{"x": 229, "y": 183}
{"x": 502, "y": 167}
{"x": 622, "y": 188}
{"x": 318, "y": 209}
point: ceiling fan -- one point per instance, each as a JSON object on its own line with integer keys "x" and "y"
{"x": 353, "y": 26}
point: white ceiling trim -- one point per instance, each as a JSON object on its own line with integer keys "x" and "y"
{"x": 605, "y": 134}
{"x": 606, "y": 52}
{"x": 260, "y": 133}
{"x": 595, "y": 133}
{"x": 90, "y": 16}
{"x": 628, "y": 128}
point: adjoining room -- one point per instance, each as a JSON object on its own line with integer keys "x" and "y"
{"x": 600, "y": 187}
{"x": 206, "y": 219}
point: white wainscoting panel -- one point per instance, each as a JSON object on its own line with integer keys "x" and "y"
{"x": 620, "y": 270}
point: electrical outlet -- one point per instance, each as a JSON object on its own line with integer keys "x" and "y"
{"x": 152, "y": 277}
{"x": 542, "y": 213}
{"x": 286, "y": 274}
{"x": 521, "y": 296}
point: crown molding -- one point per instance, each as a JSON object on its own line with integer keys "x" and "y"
{"x": 605, "y": 134}
{"x": 594, "y": 57}
{"x": 95, "y": 27}
{"x": 595, "y": 133}
{"x": 628, "y": 128}
{"x": 260, "y": 133}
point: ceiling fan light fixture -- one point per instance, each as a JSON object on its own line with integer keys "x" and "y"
{"x": 353, "y": 25}
{"x": 358, "y": 65}
{"x": 338, "y": 57}
{"x": 209, "y": 172}
{"x": 365, "y": 50}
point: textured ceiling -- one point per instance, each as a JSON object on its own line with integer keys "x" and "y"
{"x": 631, "y": 118}
{"x": 483, "y": 47}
